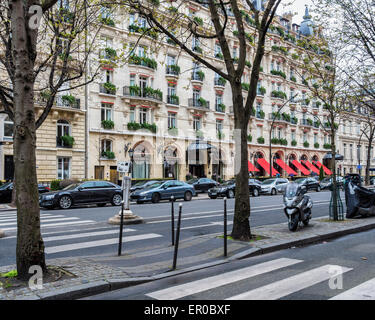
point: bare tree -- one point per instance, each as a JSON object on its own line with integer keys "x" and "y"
{"x": 43, "y": 47}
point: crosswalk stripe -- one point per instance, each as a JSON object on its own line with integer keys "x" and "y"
{"x": 59, "y": 224}
{"x": 84, "y": 235}
{"x": 47, "y": 220}
{"x": 282, "y": 288}
{"x": 197, "y": 286}
{"x": 41, "y": 218}
{"x": 365, "y": 291}
{"x": 98, "y": 243}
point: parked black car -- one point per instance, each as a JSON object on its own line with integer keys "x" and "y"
{"x": 254, "y": 187}
{"x": 326, "y": 183}
{"x": 142, "y": 184}
{"x": 228, "y": 188}
{"x": 202, "y": 184}
{"x": 89, "y": 192}
{"x": 310, "y": 183}
{"x": 7, "y": 189}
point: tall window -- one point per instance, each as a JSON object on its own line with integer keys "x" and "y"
{"x": 172, "y": 120}
{"x": 218, "y": 101}
{"x": 132, "y": 80}
{"x": 8, "y": 128}
{"x": 132, "y": 114}
{"x": 345, "y": 150}
{"x": 63, "y": 129}
{"x": 196, "y": 95}
{"x": 63, "y": 168}
{"x": 351, "y": 152}
{"x": 106, "y": 111}
{"x": 197, "y": 123}
{"x": 293, "y": 135}
{"x": 106, "y": 145}
{"x": 143, "y": 115}
{"x": 219, "y": 125}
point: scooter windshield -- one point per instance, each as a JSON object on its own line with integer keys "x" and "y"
{"x": 291, "y": 190}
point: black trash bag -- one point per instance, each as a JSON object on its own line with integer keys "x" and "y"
{"x": 359, "y": 201}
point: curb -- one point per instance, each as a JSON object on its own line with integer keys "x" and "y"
{"x": 98, "y": 287}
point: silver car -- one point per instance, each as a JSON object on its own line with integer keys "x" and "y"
{"x": 273, "y": 186}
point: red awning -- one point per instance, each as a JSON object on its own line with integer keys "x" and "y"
{"x": 301, "y": 167}
{"x": 326, "y": 170}
{"x": 311, "y": 166}
{"x": 252, "y": 168}
{"x": 266, "y": 166}
{"x": 283, "y": 165}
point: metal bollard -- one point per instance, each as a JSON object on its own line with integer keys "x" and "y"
{"x": 177, "y": 237}
{"x": 172, "y": 219}
{"x": 225, "y": 227}
{"x": 121, "y": 227}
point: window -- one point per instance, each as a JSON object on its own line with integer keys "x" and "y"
{"x": 304, "y": 137}
{"x": 171, "y": 120}
{"x": 106, "y": 111}
{"x": 171, "y": 60}
{"x": 143, "y": 115}
{"x": 171, "y": 89}
{"x": 315, "y": 138}
{"x": 132, "y": 80}
{"x": 219, "y": 125}
{"x": 197, "y": 123}
{"x": 351, "y": 152}
{"x": 132, "y": 114}
{"x": 8, "y": 128}
{"x": 344, "y": 150}
{"x": 218, "y": 101}
{"x": 293, "y": 135}
{"x": 63, "y": 129}
{"x": 63, "y": 168}
{"x": 196, "y": 95}
{"x": 106, "y": 145}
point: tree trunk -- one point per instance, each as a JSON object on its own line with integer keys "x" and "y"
{"x": 30, "y": 246}
{"x": 334, "y": 182}
{"x": 368, "y": 164}
{"x": 241, "y": 224}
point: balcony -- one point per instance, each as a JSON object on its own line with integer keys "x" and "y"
{"x": 220, "y": 82}
{"x": 107, "y": 88}
{"x": 145, "y": 93}
{"x": 199, "y": 103}
{"x": 220, "y": 107}
{"x": 64, "y": 142}
{"x": 172, "y": 70}
{"x": 62, "y": 101}
{"x": 197, "y": 76}
{"x": 143, "y": 61}
{"x": 172, "y": 99}
{"x": 307, "y": 122}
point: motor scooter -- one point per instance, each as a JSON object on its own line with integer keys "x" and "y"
{"x": 297, "y": 205}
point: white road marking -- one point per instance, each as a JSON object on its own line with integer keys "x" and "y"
{"x": 98, "y": 243}
{"x": 55, "y": 224}
{"x": 47, "y": 220}
{"x": 84, "y": 235}
{"x": 197, "y": 286}
{"x": 41, "y": 218}
{"x": 285, "y": 287}
{"x": 365, "y": 291}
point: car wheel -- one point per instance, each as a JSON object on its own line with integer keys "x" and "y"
{"x": 255, "y": 193}
{"x": 318, "y": 189}
{"x": 273, "y": 192}
{"x": 139, "y": 202}
{"x": 230, "y": 194}
{"x": 188, "y": 195}
{"x": 101, "y": 204}
{"x": 155, "y": 198}
{"x": 116, "y": 200}
{"x": 65, "y": 202}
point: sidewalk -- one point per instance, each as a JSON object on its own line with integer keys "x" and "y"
{"x": 97, "y": 274}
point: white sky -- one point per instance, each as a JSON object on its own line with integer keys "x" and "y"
{"x": 297, "y": 6}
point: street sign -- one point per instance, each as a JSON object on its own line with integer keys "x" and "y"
{"x": 359, "y": 167}
{"x": 123, "y": 166}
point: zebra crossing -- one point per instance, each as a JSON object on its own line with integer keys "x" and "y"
{"x": 69, "y": 241}
{"x": 8, "y": 220}
{"x": 252, "y": 278}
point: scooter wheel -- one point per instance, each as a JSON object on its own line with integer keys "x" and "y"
{"x": 293, "y": 224}
{"x": 306, "y": 222}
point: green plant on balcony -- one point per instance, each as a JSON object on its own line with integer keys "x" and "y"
{"x": 108, "y": 154}
{"x": 249, "y": 37}
{"x": 173, "y": 9}
{"x": 280, "y": 31}
{"x": 317, "y": 124}
{"x": 110, "y": 52}
{"x": 175, "y": 68}
{"x": 235, "y": 60}
{"x": 221, "y": 81}
{"x": 134, "y": 90}
{"x": 316, "y": 145}
{"x": 294, "y": 143}
{"x": 221, "y": 107}
{"x": 220, "y": 135}
{"x": 278, "y": 94}
{"x": 202, "y": 102}
{"x": 219, "y": 55}
{"x": 250, "y": 138}
{"x": 236, "y": 33}
{"x": 170, "y": 41}
{"x": 262, "y": 91}
{"x": 107, "y": 21}
{"x": 275, "y": 141}
{"x": 246, "y": 86}
{"x": 45, "y": 95}
{"x": 67, "y": 140}
{"x": 309, "y": 122}
{"x": 293, "y": 78}
{"x": 174, "y": 99}
{"x": 260, "y": 69}
{"x": 283, "y": 142}
{"x": 150, "y": 63}
{"x": 69, "y": 99}
{"x": 293, "y": 120}
{"x": 248, "y": 64}
{"x": 261, "y": 114}
{"x": 155, "y": 2}
{"x": 253, "y": 111}
{"x": 148, "y": 91}
{"x": 276, "y": 115}
{"x": 197, "y": 49}
{"x": 327, "y": 146}
{"x": 198, "y": 20}
{"x": 199, "y": 134}
{"x": 278, "y": 73}
{"x": 306, "y": 144}
{"x": 133, "y": 126}
{"x": 110, "y": 88}
{"x": 200, "y": 74}
{"x": 152, "y": 127}
{"x": 108, "y": 124}
{"x": 260, "y": 140}
{"x": 295, "y": 56}
{"x": 286, "y": 116}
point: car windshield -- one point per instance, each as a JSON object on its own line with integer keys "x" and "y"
{"x": 191, "y": 181}
{"x": 291, "y": 190}
{"x": 299, "y": 181}
{"x": 6, "y": 185}
{"x": 154, "y": 185}
{"x": 71, "y": 186}
{"x": 326, "y": 180}
{"x": 269, "y": 181}
{"x": 227, "y": 183}
{"x": 140, "y": 183}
